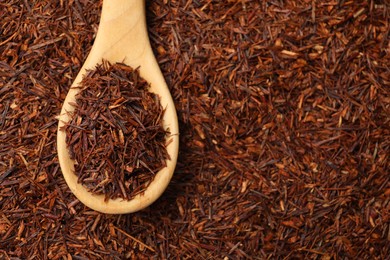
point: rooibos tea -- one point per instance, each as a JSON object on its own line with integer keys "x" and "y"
{"x": 115, "y": 134}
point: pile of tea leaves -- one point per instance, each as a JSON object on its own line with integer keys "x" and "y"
{"x": 283, "y": 109}
{"x": 115, "y": 134}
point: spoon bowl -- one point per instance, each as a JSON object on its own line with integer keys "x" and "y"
{"x": 122, "y": 37}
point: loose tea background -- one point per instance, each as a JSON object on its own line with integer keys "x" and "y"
{"x": 284, "y": 132}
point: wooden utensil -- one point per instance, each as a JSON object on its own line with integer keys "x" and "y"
{"x": 122, "y": 37}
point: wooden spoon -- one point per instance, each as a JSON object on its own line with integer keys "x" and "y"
{"x": 122, "y": 37}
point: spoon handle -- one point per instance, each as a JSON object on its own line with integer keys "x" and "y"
{"x": 122, "y": 34}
